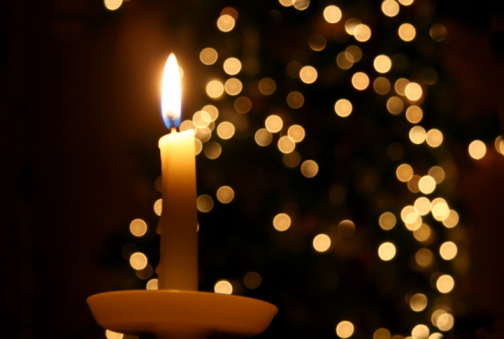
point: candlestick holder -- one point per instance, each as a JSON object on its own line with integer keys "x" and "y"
{"x": 180, "y": 314}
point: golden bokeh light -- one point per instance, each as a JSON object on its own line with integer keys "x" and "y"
{"x": 422, "y": 206}
{"x": 208, "y": 56}
{"x": 382, "y": 333}
{"x": 203, "y": 134}
{"x": 499, "y": 144}
{"x": 477, "y": 149}
{"x": 263, "y": 137}
{"x": 309, "y": 168}
{"x": 395, "y": 105}
{"x": 215, "y": 89}
{"x": 343, "y": 61}
{"x": 212, "y": 111}
{"x": 346, "y": 228}
{"x": 286, "y": 144}
{"x": 353, "y": 53}
{"x": 273, "y": 123}
{"x": 390, "y": 8}
{"x": 417, "y": 134}
{"x": 198, "y": 146}
{"x": 400, "y": 86}
{"x": 317, "y": 42}
{"x": 414, "y": 114}
{"x": 382, "y": 63}
{"x": 332, "y": 14}
{"x": 138, "y": 261}
{"x": 293, "y": 69}
{"x": 406, "y": 2}
{"x": 362, "y": 32}
{"x": 445, "y": 322}
{"x": 158, "y": 206}
{"x": 404, "y": 172}
{"x": 225, "y": 194}
{"x": 232, "y": 66}
{"x": 282, "y": 222}
{"x": 413, "y": 183}
{"x": 387, "y": 251}
{"x": 440, "y": 209}
{"x": 360, "y": 81}
{"x": 225, "y": 130}
{"x": 112, "y": 5}
{"x": 344, "y": 329}
{"x": 267, "y": 86}
{"x": 452, "y": 219}
{"x": 308, "y": 74}
{"x": 291, "y": 159}
{"x": 113, "y": 335}
{"x": 295, "y": 99}
{"x": 233, "y": 86}
{"x": 252, "y": 280}
{"x": 301, "y": 5}
{"x": 223, "y": 287}
{"x": 407, "y": 32}
{"x": 296, "y": 133}
{"x": 286, "y": 3}
{"x": 201, "y": 119}
{"x": 413, "y": 91}
{"x": 381, "y": 85}
{"x": 343, "y": 107}
{"x": 212, "y": 150}
{"x": 226, "y": 23}
{"x": 321, "y": 242}
{"x": 424, "y": 257}
{"x": 350, "y": 25}
{"x": 445, "y": 284}
{"x": 204, "y": 203}
{"x": 387, "y": 221}
{"x": 427, "y": 184}
{"x": 152, "y": 284}
{"x": 138, "y": 227}
{"x": 242, "y": 104}
{"x": 434, "y": 138}
{"x": 418, "y": 302}
{"x": 438, "y": 32}
{"x": 420, "y": 331}
{"x": 448, "y": 250}
{"x": 423, "y": 233}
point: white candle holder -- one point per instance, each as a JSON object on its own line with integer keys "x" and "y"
{"x": 180, "y": 314}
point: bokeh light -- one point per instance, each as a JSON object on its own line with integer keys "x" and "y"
{"x": 225, "y": 194}
{"x": 321, "y": 242}
{"x": 282, "y": 222}
{"x": 204, "y": 203}
{"x": 387, "y": 251}
{"x": 445, "y": 283}
{"x": 223, "y": 287}
{"x": 309, "y": 168}
{"x": 332, "y": 14}
{"x": 138, "y": 227}
{"x": 343, "y": 107}
{"x": 477, "y": 149}
{"x": 208, "y": 56}
{"x": 344, "y": 329}
{"x": 252, "y": 280}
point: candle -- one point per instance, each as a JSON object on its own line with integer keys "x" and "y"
{"x": 178, "y": 264}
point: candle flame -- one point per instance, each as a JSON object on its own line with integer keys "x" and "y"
{"x": 171, "y": 94}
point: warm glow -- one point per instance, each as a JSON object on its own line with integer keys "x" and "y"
{"x": 381, "y": 333}
{"x": 212, "y": 150}
{"x": 344, "y": 329}
{"x": 395, "y": 105}
{"x": 286, "y": 144}
{"x": 112, "y": 5}
{"x": 292, "y": 159}
{"x": 204, "y": 203}
{"x": 332, "y": 14}
{"x": 422, "y": 205}
{"x": 158, "y": 206}
{"x": 309, "y": 168}
{"x": 387, "y": 251}
{"x": 208, "y": 56}
{"x": 152, "y": 285}
{"x": 233, "y": 86}
{"x": 445, "y": 284}
{"x": 225, "y": 194}
{"x": 381, "y": 85}
{"x": 445, "y": 322}
{"x": 414, "y": 114}
{"x": 263, "y": 137}
{"x": 406, "y": 2}
{"x": 360, "y": 81}
{"x": 232, "y": 66}
{"x": 225, "y": 130}
{"x": 296, "y": 133}
{"x": 362, "y": 32}
{"x": 451, "y": 220}
{"x": 417, "y": 135}
{"x": 252, "y": 280}
{"x": 171, "y": 94}
{"x": 295, "y": 99}
{"x": 346, "y": 228}
{"x": 223, "y": 287}
{"x": 387, "y": 221}
{"x": 407, "y": 32}
{"x": 138, "y": 227}
{"x": 226, "y": 23}
{"x": 138, "y": 261}
{"x": 353, "y": 53}
{"x": 282, "y": 222}
{"x": 215, "y": 89}
{"x": 113, "y": 335}
{"x": 301, "y": 5}
{"x": 424, "y": 257}
{"x": 448, "y": 250}
{"x": 201, "y": 119}
{"x": 343, "y": 107}
{"x": 423, "y": 233}
{"x": 321, "y": 242}
{"x": 418, "y": 302}
{"x": 273, "y": 123}
{"x": 317, "y": 42}
{"x": 242, "y": 104}
{"x": 308, "y": 74}
{"x": 382, "y": 63}
{"x": 438, "y": 32}
{"x": 212, "y": 111}
{"x": 344, "y": 60}
{"x": 404, "y": 172}
{"x": 350, "y": 25}
{"x": 434, "y": 138}
{"x": 420, "y": 331}
{"x": 390, "y": 8}
{"x": 413, "y": 91}
{"x": 427, "y": 184}
{"x": 477, "y": 149}
{"x": 267, "y": 86}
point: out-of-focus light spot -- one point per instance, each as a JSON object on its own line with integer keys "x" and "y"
{"x": 252, "y": 280}
{"x": 113, "y": 335}
{"x": 413, "y": 184}
{"x": 291, "y": 159}
{"x": 138, "y": 227}
{"x": 424, "y": 257}
{"x": 225, "y": 130}
{"x": 226, "y": 23}
{"x": 354, "y": 53}
{"x": 317, "y": 42}
{"x": 412, "y": 220}
{"x": 231, "y": 11}
{"x": 407, "y": 32}
{"x": 434, "y": 138}
{"x": 350, "y": 25}
{"x": 395, "y": 105}
{"x": 296, "y": 132}
{"x": 499, "y": 144}
{"x": 112, "y": 5}
{"x": 295, "y": 99}
{"x": 477, "y": 149}
{"x": 387, "y": 221}
{"x": 346, "y": 228}
{"x": 225, "y": 194}
{"x": 308, "y": 74}
{"x": 406, "y": 2}
{"x": 390, "y": 8}
{"x": 212, "y": 111}
{"x": 438, "y": 32}
{"x": 387, "y": 251}
{"x": 215, "y": 89}
{"x": 204, "y": 203}
{"x": 436, "y": 314}
{"x": 445, "y": 322}
{"x": 138, "y": 261}
{"x": 422, "y": 205}
{"x": 273, "y": 123}
{"x": 158, "y": 206}
{"x": 301, "y": 5}
{"x": 332, "y": 14}
{"x": 445, "y": 284}
{"x": 309, "y": 168}
{"x": 293, "y": 69}
{"x": 451, "y": 220}
{"x": 208, "y": 56}
{"x": 417, "y": 134}
{"x": 448, "y": 250}
{"x": 413, "y": 91}
{"x": 344, "y": 329}
{"x": 381, "y": 85}
{"x": 321, "y": 242}
{"x": 212, "y": 150}
{"x": 427, "y": 184}
{"x": 282, "y": 222}
{"x": 362, "y": 33}
{"x": 343, "y": 107}
{"x": 418, "y": 302}
{"x": 286, "y": 3}
{"x": 233, "y": 86}
{"x": 263, "y": 137}
{"x": 243, "y": 104}
{"x": 414, "y": 114}
{"x": 400, "y": 86}
{"x": 343, "y": 61}
{"x": 420, "y": 331}
{"x": 438, "y": 173}
{"x": 223, "y": 287}
{"x": 423, "y": 233}
{"x": 382, "y": 63}
{"x": 201, "y": 119}
{"x": 286, "y": 144}
{"x": 145, "y": 273}
{"x": 440, "y": 209}
{"x": 404, "y": 172}
{"x": 203, "y": 134}
{"x": 232, "y": 66}
{"x": 152, "y": 285}
{"x": 436, "y": 335}
{"x": 267, "y": 86}
{"x": 360, "y": 81}
{"x": 381, "y": 333}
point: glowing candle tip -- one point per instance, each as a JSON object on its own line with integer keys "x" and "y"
{"x": 171, "y": 94}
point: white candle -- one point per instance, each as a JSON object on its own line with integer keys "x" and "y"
{"x": 178, "y": 265}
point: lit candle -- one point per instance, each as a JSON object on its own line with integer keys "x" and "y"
{"x": 178, "y": 264}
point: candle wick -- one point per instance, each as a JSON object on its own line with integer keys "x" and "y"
{"x": 173, "y": 129}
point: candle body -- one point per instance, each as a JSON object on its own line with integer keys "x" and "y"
{"x": 178, "y": 264}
